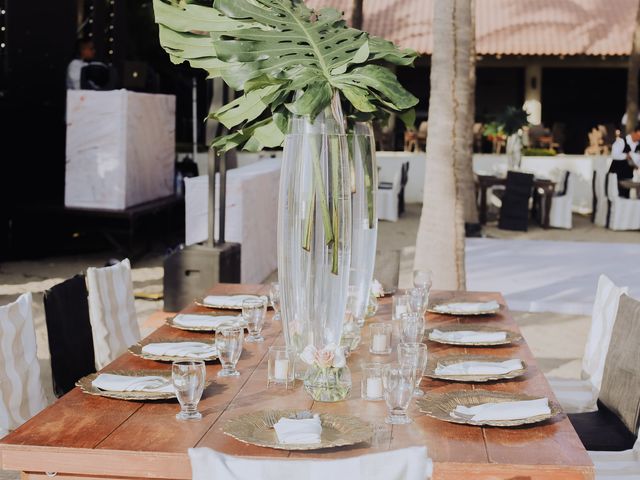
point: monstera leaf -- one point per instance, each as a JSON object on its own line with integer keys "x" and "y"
{"x": 286, "y": 58}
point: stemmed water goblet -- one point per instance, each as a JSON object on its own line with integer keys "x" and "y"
{"x": 188, "y": 382}
{"x": 253, "y": 312}
{"x": 229, "y": 341}
{"x": 398, "y": 383}
{"x": 274, "y": 299}
{"x": 415, "y": 355}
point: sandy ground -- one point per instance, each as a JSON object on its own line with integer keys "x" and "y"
{"x": 556, "y": 340}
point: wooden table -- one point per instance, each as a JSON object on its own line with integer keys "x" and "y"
{"x": 543, "y": 186}
{"x": 89, "y": 437}
{"x": 631, "y": 185}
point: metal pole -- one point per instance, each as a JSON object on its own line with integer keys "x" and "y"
{"x": 212, "y": 196}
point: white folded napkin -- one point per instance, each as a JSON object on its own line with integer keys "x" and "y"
{"x": 181, "y": 349}
{"x": 504, "y": 411}
{"x": 205, "y": 321}
{"x": 125, "y": 383}
{"x": 468, "y": 307}
{"x": 301, "y": 431}
{"x": 229, "y": 300}
{"x": 467, "y": 336}
{"x": 479, "y": 367}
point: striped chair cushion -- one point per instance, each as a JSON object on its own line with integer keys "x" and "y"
{"x": 21, "y": 392}
{"x": 620, "y": 390}
{"x": 112, "y": 311}
{"x": 603, "y": 317}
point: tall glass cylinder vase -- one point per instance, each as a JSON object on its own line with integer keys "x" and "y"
{"x": 364, "y": 230}
{"x": 314, "y": 230}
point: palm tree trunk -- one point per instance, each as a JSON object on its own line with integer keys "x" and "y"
{"x": 440, "y": 242}
{"x": 464, "y": 159}
{"x": 632, "y": 78}
{"x": 357, "y": 17}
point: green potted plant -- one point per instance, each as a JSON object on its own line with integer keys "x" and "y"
{"x": 306, "y": 79}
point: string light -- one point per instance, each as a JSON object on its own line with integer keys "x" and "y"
{"x": 111, "y": 8}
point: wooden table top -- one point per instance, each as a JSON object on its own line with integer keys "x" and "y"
{"x": 95, "y": 436}
{"x": 629, "y": 183}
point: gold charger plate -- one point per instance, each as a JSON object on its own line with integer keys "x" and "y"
{"x": 170, "y": 321}
{"x": 511, "y": 337}
{"x": 136, "y": 350}
{"x": 450, "y": 359}
{"x": 85, "y": 385}
{"x": 337, "y": 430}
{"x": 433, "y": 309}
{"x": 441, "y": 406}
{"x": 200, "y": 301}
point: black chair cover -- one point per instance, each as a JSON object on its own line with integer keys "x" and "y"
{"x": 70, "y": 338}
{"x": 403, "y": 182}
{"x": 514, "y": 212}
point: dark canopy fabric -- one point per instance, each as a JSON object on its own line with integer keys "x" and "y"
{"x": 69, "y": 329}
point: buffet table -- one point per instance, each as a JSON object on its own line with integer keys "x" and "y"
{"x": 84, "y": 436}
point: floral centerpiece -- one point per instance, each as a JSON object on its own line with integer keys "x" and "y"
{"x": 307, "y": 80}
{"x": 328, "y": 378}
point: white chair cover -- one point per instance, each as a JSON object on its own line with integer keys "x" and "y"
{"x": 578, "y": 396}
{"x": 387, "y": 199}
{"x": 112, "y": 311}
{"x": 624, "y": 213}
{"x": 560, "y": 213}
{"x": 21, "y": 391}
{"x": 405, "y": 464}
{"x": 623, "y": 465}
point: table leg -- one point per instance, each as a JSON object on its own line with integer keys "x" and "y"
{"x": 548, "y": 198}
{"x": 482, "y": 213}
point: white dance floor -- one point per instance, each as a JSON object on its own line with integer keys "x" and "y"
{"x": 550, "y": 276}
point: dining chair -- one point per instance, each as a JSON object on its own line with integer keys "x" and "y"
{"x": 66, "y": 310}
{"x": 560, "y": 214}
{"x": 112, "y": 311}
{"x": 614, "y": 426}
{"x": 409, "y": 463}
{"x": 387, "y": 197}
{"x": 622, "y": 213}
{"x": 514, "y": 211}
{"x": 600, "y": 202}
{"x": 581, "y": 395}
{"x": 623, "y": 465}
{"x": 21, "y": 391}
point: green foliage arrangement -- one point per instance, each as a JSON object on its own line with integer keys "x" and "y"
{"x": 539, "y": 152}
{"x": 286, "y": 59}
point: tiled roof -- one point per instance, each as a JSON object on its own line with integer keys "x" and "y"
{"x": 509, "y": 27}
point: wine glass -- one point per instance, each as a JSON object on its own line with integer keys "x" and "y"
{"x": 418, "y": 300}
{"x": 188, "y": 382}
{"x": 253, "y": 312}
{"x": 411, "y": 327}
{"x": 415, "y": 355}
{"x": 229, "y": 340}
{"x": 398, "y": 382}
{"x": 274, "y": 299}
{"x": 422, "y": 279}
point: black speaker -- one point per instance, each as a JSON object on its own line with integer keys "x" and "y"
{"x": 190, "y": 272}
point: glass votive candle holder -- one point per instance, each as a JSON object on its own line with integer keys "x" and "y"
{"x": 380, "y": 336}
{"x": 280, "y": 367}
{"x": 371, "y": 387}
{"x": 401, "y": 305}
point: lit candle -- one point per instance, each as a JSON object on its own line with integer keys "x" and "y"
{"x": 281, "y": 369}
{"x": 374, "y": 387}
{"x": 380, "y": 342}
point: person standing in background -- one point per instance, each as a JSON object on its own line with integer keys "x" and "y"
{"x": 625, "y": 153}
{"x": 86, "y": 54}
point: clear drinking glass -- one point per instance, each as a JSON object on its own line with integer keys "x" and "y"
{"x": 371, "y": 381}
{"x": 422, "y": 279}
{"x": 188, "y": 381}
{"x": 411, "y": 328}
{"x": 415, "y": 355}
{"x": 398, "y": 382}
{"x": 274, "y": 299}
{"x": 400, "y": 306}
{"x": 418, "y": 300}
{"x": 253, "y": 312}
{"x": 280, "y": 366}
{"x": 229, "y": 342}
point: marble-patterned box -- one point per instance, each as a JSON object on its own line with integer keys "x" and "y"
{"x": 120, "y": 148}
